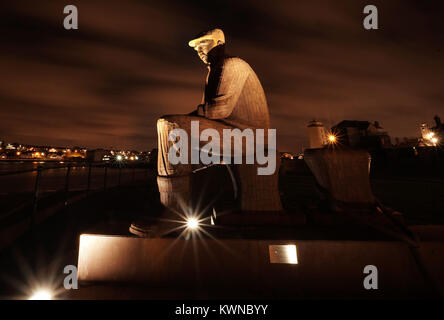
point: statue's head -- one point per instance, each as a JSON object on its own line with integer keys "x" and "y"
{"x": 206, "y": 41}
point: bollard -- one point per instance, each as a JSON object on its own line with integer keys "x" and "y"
{"x": 88, "y": 188}
{"x": 105, "y": 176}
{"x": 36, "y": 195}
{"x": 68, "y": 172}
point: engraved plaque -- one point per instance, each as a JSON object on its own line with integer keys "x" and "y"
{"x": 283, "y": 254}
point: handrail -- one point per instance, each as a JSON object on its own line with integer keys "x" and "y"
{"x": 39, "y": 169}
{"x": 42, "y": 168}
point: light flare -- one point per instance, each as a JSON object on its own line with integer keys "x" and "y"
{"x": 41, "y": 294}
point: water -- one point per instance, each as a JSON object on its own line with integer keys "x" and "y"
{"x": 11, "y": 166}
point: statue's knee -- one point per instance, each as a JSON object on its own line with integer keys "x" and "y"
{"x": 174, "y": 121}
{"x": 163, "y": 122}
{"x": 163, "y": 119}
{"x": 168, "y": 118}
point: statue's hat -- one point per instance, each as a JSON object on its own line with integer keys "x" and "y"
{"x": 214, "y": 34}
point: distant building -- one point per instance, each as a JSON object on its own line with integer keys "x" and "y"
{"x": 74, "y": 155}
{"x": 96, "y": 155}
{"x": 432, "y": 136}
{"x": 407, "y": 142}
{"x": 361, "y": 134}
{"x": 287, "y": 155}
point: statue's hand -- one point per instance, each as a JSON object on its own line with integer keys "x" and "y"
{"x": 201, "y": 110}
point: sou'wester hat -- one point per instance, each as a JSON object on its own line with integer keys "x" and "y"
{"x": 214, "y": 34}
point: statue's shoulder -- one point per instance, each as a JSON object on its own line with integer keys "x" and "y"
{"x": 236, "y": 63}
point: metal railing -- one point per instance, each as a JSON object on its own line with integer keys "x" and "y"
{"x": 108, "y": 171}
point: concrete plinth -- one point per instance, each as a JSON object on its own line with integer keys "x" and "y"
{"x": 227, "y": 268}
{"x": 263, "y": 218}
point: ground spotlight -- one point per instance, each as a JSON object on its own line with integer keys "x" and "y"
{"x": 41, "y": 294}
{"x": 192, "y": 223}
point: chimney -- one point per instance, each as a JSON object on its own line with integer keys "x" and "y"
{"x": 437, "y": 121}
{"x": 316, "y": 134}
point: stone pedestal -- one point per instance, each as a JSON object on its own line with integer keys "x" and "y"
{"x": 343, "y": 174}
{"x": 247, "y": 268}
{"x": 259, "y": 192}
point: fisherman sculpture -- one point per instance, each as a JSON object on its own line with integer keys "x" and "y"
{"x": 233, "y": 99}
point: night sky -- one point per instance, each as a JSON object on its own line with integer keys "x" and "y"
{"x": 105, "y": 84}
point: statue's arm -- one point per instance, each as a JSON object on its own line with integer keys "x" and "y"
{"x": 231, "y": 83}
{"x": 200, "y": 109}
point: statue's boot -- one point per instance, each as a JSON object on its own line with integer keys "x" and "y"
{"x": 175, "y": 198}
{"x": 175, "y": 192}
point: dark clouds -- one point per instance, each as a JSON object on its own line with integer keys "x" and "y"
{"x": 106, "y": 84}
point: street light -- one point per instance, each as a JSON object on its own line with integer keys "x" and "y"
{"x": 332, "y": 138}
{"x": 430, "y": 136}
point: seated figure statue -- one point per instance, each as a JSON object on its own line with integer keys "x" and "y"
{"x": 233, "y": 98}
